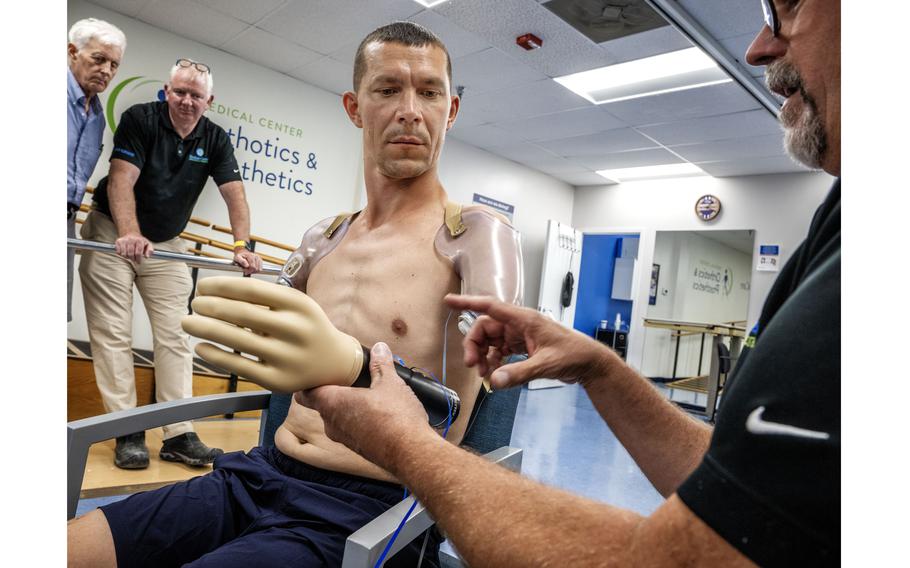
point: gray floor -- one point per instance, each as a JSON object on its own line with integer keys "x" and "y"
{"x": 566, "y": 444}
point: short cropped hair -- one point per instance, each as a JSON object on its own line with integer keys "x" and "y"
{"x": 209, "y": 80}
{"x": 405, "y": 33}
{"x": 85, "y": 30}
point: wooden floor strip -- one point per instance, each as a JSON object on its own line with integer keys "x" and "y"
{"x": 103, "y": 478}
{"x": 694, "y": 384}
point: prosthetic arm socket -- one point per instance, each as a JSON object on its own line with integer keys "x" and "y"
{"x": 296, "y": 345}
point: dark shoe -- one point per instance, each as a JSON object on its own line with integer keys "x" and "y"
{"x": 131, "y": 452}
{"x": 189, "y": 449}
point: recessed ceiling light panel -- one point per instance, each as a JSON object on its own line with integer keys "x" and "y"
{"x": 429, "y": 3}
{"x": 652, "y": 172}
{"x": 665, "y": 73}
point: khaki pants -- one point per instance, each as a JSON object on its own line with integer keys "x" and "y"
{"x": 107, "y": 288}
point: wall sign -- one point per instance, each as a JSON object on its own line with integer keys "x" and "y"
{"x": 504, "y": 208}
{"x": 711, "y": 278}
{"x": 768, "y": 258}
{"x": 707, "y": 207}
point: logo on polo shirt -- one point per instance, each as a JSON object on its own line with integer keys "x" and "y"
{"x": 199, "y": 156}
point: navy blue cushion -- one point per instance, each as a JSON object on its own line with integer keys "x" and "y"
{"x": 491, "y": 425}
{"x": 279, "y": 404}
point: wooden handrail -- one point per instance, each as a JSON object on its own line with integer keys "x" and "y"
{"x": 226, "y": 246}
{"x": 195, "y": 238}
{"x": 263, "y": 240}
{"x": 206, "y": 253}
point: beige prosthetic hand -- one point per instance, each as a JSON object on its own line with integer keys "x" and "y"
{"x": 297, "y": 346}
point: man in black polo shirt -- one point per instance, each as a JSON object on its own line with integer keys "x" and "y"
{"x": 761, "y": 487}
{"x": 164, "y": 152}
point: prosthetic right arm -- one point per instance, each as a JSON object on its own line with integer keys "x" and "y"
{"x": 297, "y": 346}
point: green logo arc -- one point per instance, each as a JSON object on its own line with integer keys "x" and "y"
{"x": 112, "y": 99}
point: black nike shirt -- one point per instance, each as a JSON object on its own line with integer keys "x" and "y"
{"x": 770, "y": 481}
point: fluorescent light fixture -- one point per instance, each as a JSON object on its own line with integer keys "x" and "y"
{"x": 429, "y": 3}
{"x": 651, "y": 172}
{"x": 665, "y": 73}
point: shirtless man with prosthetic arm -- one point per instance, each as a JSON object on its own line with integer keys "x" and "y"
{"x": 376, "y": 275}
{"x": 762, "y": 487}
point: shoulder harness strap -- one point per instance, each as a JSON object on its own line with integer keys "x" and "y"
{"x": 335, "y": 224}
{"x": 453, "y": 219}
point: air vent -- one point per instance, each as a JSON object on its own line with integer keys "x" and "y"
{"x": 604, "y": 20}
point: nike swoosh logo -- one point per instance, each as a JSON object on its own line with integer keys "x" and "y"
{"x": 235, "y": 171}
{"x": 756, "y": 425}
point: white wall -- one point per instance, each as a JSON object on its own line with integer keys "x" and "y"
{"x": 247, "y": 97}
{"x": 777, "y": 207}
{"x": 679, "y": 254}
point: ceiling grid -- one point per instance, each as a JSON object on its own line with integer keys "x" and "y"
{"x": 511, "y": 106}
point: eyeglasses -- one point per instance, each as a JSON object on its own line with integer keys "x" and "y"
{"x": 771, "y": 19}
{"x": 201, "y": 67}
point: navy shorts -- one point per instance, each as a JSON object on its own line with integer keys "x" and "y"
{"x": 260, "y": 508}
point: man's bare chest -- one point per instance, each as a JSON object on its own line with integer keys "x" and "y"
{"x": 386, "y": 289}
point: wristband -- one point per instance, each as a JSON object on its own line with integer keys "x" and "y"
{"x": 243, "y": 244}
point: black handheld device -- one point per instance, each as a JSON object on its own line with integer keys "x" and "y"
{"x": 439, "y": 401}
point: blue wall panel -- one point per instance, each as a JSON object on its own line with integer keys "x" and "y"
{"x": 595, "y": 284}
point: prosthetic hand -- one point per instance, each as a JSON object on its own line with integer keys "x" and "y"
{"x": 297, "y": 346}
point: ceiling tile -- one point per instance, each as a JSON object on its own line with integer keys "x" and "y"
{"x": 458, "y": 41}
{"x": 326, "y": 73}
{"x": 125, "y": 7}
{"x": 192, "y": 20}
{"x": 734, "y": 149}
{"x": 562, "y": 124}
{"x": 617, "y": 140}
{"x": 270, "y": 50}
{"x": 680, "y": 105}
{"x": 558, "y": 166}
{"x": 565, "y": 50}
{"x": 726, "y": 18}
{"x": 326, "y": 26}
{"x": 491, "y": 69}
{"x": 753, "y": 166}
{"x": 630, "y": 159}
{"x": 346, "y": 54}
{"x": 482, "y": 136}
{"x": 531, "y": 99}
{"x": 244, "y": 10}
{"x": 584, "y": 178}
{"x": 749, "y": 123}
{"x": 523, "y": 152}
{"x": 645, "y": 44}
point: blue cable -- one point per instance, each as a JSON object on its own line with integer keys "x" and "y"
{"x": 394, "y": 535}
{"x": 445, "y": 432}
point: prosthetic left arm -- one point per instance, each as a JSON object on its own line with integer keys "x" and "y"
{"x": 485, "y": 251}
